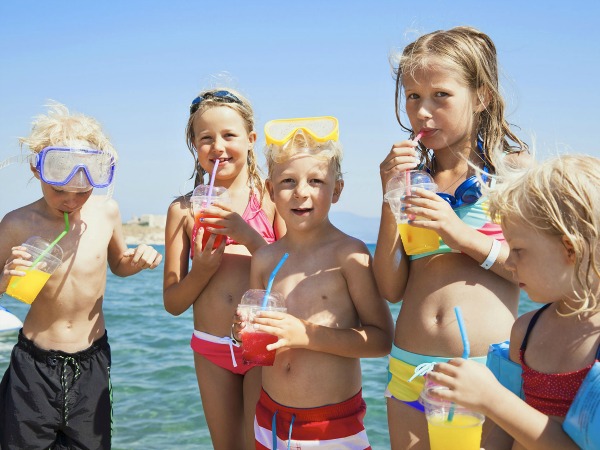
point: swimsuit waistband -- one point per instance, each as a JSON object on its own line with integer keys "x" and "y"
{"x": 41, "y": 354}
{"x": 317, "y": 413}
{"x": 415, "y": 359}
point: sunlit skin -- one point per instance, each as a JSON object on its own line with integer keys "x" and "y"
{"x": 544, "y": 266}
{"x": 335, "y": 313}
{"x": 217, "y": 278}
{"x": 67, "y": 314}
{"x": 444, "y": 108}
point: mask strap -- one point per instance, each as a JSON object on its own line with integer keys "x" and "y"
{"x": 18, "y": 159}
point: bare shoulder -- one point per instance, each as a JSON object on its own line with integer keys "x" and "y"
{"x": 16, "y": 224}
{"x": 517, "y": 334}
{"x": 349, "y": 248}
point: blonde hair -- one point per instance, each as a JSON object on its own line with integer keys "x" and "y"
{"x": 560, "y": 197}
{"x": 244, "y": 109}
{"x": 471, "y": 54}
{"x": 61, "y": 127}
{"x": 300, "y": 144}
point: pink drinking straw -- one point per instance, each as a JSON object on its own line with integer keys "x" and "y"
{"x": 212, "y": 177}
{"x": 211, "y": 184}
{"x": 407, "y": 173}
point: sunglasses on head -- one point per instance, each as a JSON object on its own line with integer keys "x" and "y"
{"x": 224, "y": 96}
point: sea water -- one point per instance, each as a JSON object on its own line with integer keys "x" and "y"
{"x": 156, "y": 402}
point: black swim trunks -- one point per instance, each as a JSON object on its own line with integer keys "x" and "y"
{"x": 55, "y": 400}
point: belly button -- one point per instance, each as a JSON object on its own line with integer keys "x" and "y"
{"x": 438, "y": 319}
{"x": 288, "y": 367}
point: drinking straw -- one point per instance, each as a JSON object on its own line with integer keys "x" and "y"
{"x": 271, "y": 278}
{"x": 211, "y": 184}
{"x": 407, "y": 173}
{"x": 47, "y": 250}
{"x": 54, "y": 242}
{"x": 212, "y": 177}
{"x": 466, "y": 347}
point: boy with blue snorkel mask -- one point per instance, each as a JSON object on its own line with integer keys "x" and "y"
{"x": 63, "y": 348}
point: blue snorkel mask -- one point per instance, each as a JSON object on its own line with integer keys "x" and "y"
{"x": 75, "y": 168}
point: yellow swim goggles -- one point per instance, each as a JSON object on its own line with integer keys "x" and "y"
{"x": 321, "y": 129}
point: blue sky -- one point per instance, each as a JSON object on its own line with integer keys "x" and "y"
{"x": 136, "y": 66}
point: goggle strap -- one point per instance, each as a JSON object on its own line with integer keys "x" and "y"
{"x": 16, "y": 159}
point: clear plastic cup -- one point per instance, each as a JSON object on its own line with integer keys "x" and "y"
{"x": 200, "y": 201}
{"x": 28, "y": 287}
{"x": 254, "y": 342}
{"x": 462, "y": 432}
{"x": 414, "y": 239}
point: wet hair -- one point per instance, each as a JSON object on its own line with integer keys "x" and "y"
{"x": 59, "y": 127}
{"x": 302, "y": 144}
{"x": 560, "y": 197}
{"x": 244, "y": 109}
{"x": 470, "y": 54}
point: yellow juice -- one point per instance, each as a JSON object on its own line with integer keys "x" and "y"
{"x": 28, "y": 287}
{"x": 463, "y": 433}
{"x": 418, "y": 240}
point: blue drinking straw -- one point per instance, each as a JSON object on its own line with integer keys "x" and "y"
{"x": 466, "y": 347}
{"x": 271, "y": 278}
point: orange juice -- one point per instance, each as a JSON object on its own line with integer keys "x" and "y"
{"x": 418, "y": 240}
{"x": 462, "y": 433}
{"x": 28, "y": 287}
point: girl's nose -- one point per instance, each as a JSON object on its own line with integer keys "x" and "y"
{"x": 424, "y": 111}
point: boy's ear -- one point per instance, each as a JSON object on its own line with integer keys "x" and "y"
{"x": 570, "y": 249}
{"x": 269, "y": 187}
{"x": 34, "y": 171}
{"x": 337, "y": 191}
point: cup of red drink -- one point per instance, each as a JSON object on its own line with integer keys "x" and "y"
{"x": 201, "y": 200}
{"x": 254, "y": 342}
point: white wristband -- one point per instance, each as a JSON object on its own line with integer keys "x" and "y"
{"x": 493, "y": 255}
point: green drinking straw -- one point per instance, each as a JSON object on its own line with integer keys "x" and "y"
{"x": 47, "y": 250}
{"x": 271, "y": 278}
{"x": 466, "y": 347}
{"x": 54, "y": 242}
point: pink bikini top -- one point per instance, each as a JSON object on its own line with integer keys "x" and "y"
{"x": 255, "y": 217}
{"x": 550, "y": 393}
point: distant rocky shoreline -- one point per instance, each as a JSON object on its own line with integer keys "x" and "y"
{"x": 136, "y": 234}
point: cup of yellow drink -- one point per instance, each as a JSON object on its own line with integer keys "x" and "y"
{"x": 415, "y": 240}
{"x": 26, "y": 288}
{"x": 450, "y": 426}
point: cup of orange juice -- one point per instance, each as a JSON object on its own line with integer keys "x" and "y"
{"x": 202, "y": 198}
{"x": 450, "y": 426}
{"x": 414, "y": 239}
{"x": 26, "y": 288}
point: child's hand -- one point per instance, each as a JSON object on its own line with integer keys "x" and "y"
{"x": 143, "y": 256}
{"x": 231, "y": 223}
{"x": 19, "y": 258}
{"x": 209, "y": 258}
{"x": 291, "y": 331}
{"x": 434, "y": 213}
{"x": 402, "y": 157}
{"x": 471, "y": 384}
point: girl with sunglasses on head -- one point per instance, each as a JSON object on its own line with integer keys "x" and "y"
{"x": 447, "y": 82}
{"x": 220, "y": 131}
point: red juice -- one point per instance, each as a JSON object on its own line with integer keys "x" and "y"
{"x": 206, "y": 234}
{"x": 254, "y": 349}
